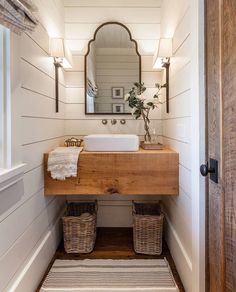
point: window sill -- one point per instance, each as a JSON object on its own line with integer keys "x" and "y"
{"x": 10, "y": 176}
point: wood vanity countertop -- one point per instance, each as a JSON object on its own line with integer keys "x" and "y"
{"x": 140, "y": 151}
{"x": 145, "y": 172}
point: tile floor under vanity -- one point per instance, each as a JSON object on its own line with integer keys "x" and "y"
{"x": 115, "y": 243}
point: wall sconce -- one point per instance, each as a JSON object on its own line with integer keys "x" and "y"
{"x": 162, "y": 60}
{"x": 62, "y": 58}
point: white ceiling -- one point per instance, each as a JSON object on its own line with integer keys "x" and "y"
{"x": 104, "y": 3}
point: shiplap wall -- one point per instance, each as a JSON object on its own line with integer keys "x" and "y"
{"x": 81, "y": 20}
{"x": 115, "y": 68}
{"x": 176, "y": 23}
{"x": 29, "y": 222}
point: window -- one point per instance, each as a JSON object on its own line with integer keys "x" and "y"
{"x": 5, "y": 99}
{"x": 9, "y": 173}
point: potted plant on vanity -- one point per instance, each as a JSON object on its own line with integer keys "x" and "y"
{"x": 141, "y": 106}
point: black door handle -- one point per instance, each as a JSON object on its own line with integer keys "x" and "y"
{"x": 213, "y": 170}
{"x": 204, "y": 169}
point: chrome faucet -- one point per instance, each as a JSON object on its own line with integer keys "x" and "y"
{"x": 113, "y": 121}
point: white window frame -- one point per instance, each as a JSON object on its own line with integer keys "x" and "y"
{"x": 9, "y": 174}
{"x": 5, "y": 99}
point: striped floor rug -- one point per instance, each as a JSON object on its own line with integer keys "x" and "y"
{"x": 110, "y": 275}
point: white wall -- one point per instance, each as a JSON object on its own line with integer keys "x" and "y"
{"x": 29, "y": 225}
{"x": 180, "y": 20}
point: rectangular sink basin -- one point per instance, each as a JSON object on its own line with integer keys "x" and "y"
{"x": 111, "y": 142}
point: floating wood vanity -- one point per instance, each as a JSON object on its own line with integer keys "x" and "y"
{"x": 146, "y": 172}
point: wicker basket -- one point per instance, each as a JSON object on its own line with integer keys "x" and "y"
{"x": 73, "y": 142}
{"x": 80, "y": 231}
{"x": 147, "y": 228}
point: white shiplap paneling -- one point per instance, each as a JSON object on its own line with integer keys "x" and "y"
{"x": 177, "y": 133}
{"x": 106, "y": 14}
{"x": 86, "y": 127}
{"x": 26, "y": 215}
{"x": 18, "y": 252}
{"x": 32, "y": 153}
{"x": 142, "y": 19}
{"x": 85, "y": 31}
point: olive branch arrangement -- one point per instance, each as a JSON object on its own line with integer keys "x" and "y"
{"x": 142, "y": 105}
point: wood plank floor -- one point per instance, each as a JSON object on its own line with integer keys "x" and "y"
{"x": 115, "y": 243}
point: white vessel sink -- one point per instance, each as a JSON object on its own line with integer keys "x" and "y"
{"x": 111, "y": 142}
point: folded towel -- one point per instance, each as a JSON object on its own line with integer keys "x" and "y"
{"x": 62, "y": 162}
{"x": 85, "y": 215}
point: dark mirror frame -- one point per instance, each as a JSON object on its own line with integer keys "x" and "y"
{"x": 85, "y": 63}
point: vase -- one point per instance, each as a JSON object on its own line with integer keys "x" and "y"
{"x": 147, "y": 135}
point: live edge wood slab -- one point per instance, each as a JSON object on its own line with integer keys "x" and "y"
{"x": 146, "y": 172}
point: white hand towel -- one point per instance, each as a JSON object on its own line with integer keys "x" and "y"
{"x": 62, "y": 162}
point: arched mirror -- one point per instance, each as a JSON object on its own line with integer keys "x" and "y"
{"x": 112, "y": 65}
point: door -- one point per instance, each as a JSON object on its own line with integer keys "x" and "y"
{"x": 220, "y": 20}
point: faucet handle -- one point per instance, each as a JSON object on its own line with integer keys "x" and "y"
{"x": 123, "y": 121}
{"x": 104, "y": 121}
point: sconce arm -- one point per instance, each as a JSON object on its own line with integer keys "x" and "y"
{"x": 166, "y": 65}
{"x": 57, "y": 64}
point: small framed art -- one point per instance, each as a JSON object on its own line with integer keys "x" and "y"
{"x": 118, "y": 108}
{"x": 117, "y": 92}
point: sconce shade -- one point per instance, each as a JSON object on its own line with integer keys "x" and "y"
{"x": 165, "y": 48}
{"x": 164, "y": 51}
{"x": 58, "y": 49}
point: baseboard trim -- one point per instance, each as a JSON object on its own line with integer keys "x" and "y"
{"x": 182, "y": 261}
{"x": 34, "y": 268}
